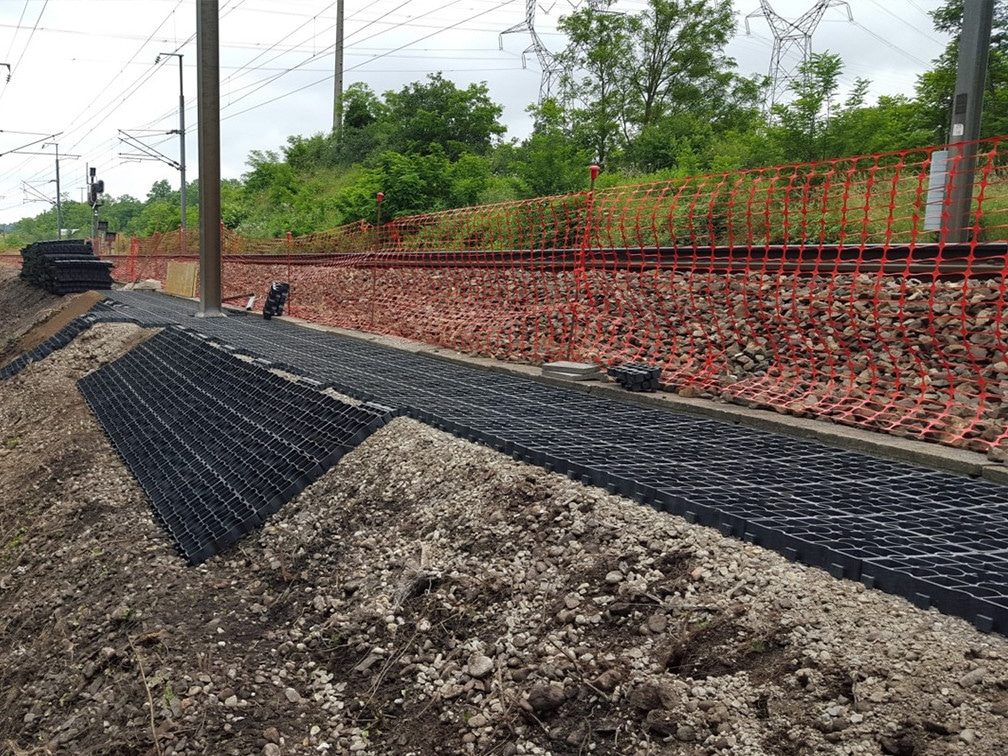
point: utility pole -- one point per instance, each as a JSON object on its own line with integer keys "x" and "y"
{"x": 143, "y": 151}
{"x": 337, "y": 119}
{"x": 181, "y": 133}
{"x": 59, "y": 200}
{"x": 967, "y": 103}
{"x": 96, "y": 187}
{"x": 208, "y": 120}
{"x": 45, "y": 141}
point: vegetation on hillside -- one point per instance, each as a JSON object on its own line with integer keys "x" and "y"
{"x": 646, "y": 95}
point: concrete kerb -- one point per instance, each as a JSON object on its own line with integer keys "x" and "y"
{"x": 934, "y": 456}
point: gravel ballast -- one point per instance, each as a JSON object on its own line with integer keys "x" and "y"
{"x": 431, "y": 596}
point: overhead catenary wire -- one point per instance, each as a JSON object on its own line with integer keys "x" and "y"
{"x": 130, "y": 89}
{"x": 237, "y": 74}
{"x": 70, "y": 126}
{"x": 248, "y": 67}
{"x": 25, "y": 48}
{"x": 255, "y": 86}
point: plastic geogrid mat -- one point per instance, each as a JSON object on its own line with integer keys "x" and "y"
{"x": 938, "y": 539}
{"x": 217, "y": 444}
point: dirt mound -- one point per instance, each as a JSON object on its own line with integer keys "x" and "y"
{"x": 21, "y": 307}
{"x": 431, "y": 596}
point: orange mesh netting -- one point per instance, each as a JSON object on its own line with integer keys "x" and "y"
{"x": 815, "y": 289}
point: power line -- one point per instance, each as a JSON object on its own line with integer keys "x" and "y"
{"x": 376, "y": 57}
{"x": 325, "y": 51}
{"x": 17, "y": 30}
{"x": 905, "y": 22}
{"x": 25, "y": 48}
{"x": 255, "y": 86}
{"x": 792, "y": 45}
{"x": 130, "y": 89}
{"x": 148, "y": 72}
{"x": 889, "y": 44}
{"x": 287, "y": 35}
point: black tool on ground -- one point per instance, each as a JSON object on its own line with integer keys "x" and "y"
{"x": 218, "y": 444}
{"x": 276, "y": 298}
{"x": 635, "y": 376}
{"x": 67, "y": 266}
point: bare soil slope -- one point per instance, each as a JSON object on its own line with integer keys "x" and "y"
{"x": 431, "y": 596}
{"x": 21, "y": 307}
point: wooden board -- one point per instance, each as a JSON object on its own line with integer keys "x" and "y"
{"x": 181, "y": 279}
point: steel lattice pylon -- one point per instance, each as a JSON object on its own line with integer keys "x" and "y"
{"x": 792, "y": 44}
{"x": 547, "y": 62}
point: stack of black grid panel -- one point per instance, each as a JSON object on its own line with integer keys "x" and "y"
{"x": 636, "y": 376}
{"x": 218, "y": 444}
{"x": 67, "y": 266}
{"x": 276, "y": 298}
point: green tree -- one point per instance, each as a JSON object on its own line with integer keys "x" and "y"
{"x": 425, "y": 116}
{"x": 549, "y": 161}
{"x": 593, "y": 82}
{"x": 677, "y": 62}
{"x": 361, "y": 106}
{"x": 801, "y": 123}
{"x": 655, "y": 86}
{"x": 160, "y": 190}
{"x": 936, "y": 86}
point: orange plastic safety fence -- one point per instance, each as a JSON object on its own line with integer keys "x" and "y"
{"x": 831, "y": 289}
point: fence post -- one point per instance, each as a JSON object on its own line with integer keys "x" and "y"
{"x": 378, "y": 242}
{"x": 289, "y": 243}
{"x": 579, "y": 264}
{"x": 134, "y": 250}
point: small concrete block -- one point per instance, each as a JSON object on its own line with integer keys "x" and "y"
{"x": 571, "y": 367}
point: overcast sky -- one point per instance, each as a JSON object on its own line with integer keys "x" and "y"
{"x": 86, "y": 68}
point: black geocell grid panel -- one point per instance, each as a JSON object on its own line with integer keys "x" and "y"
{"x": 216, "y": 443}
{"x": 936, "y": 538}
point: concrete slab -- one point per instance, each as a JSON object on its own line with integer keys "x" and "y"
{"x": 576, "y": 368}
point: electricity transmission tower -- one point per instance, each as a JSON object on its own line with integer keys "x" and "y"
{"x": 547, "y": 62}
{"x": 792, "y": 44}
